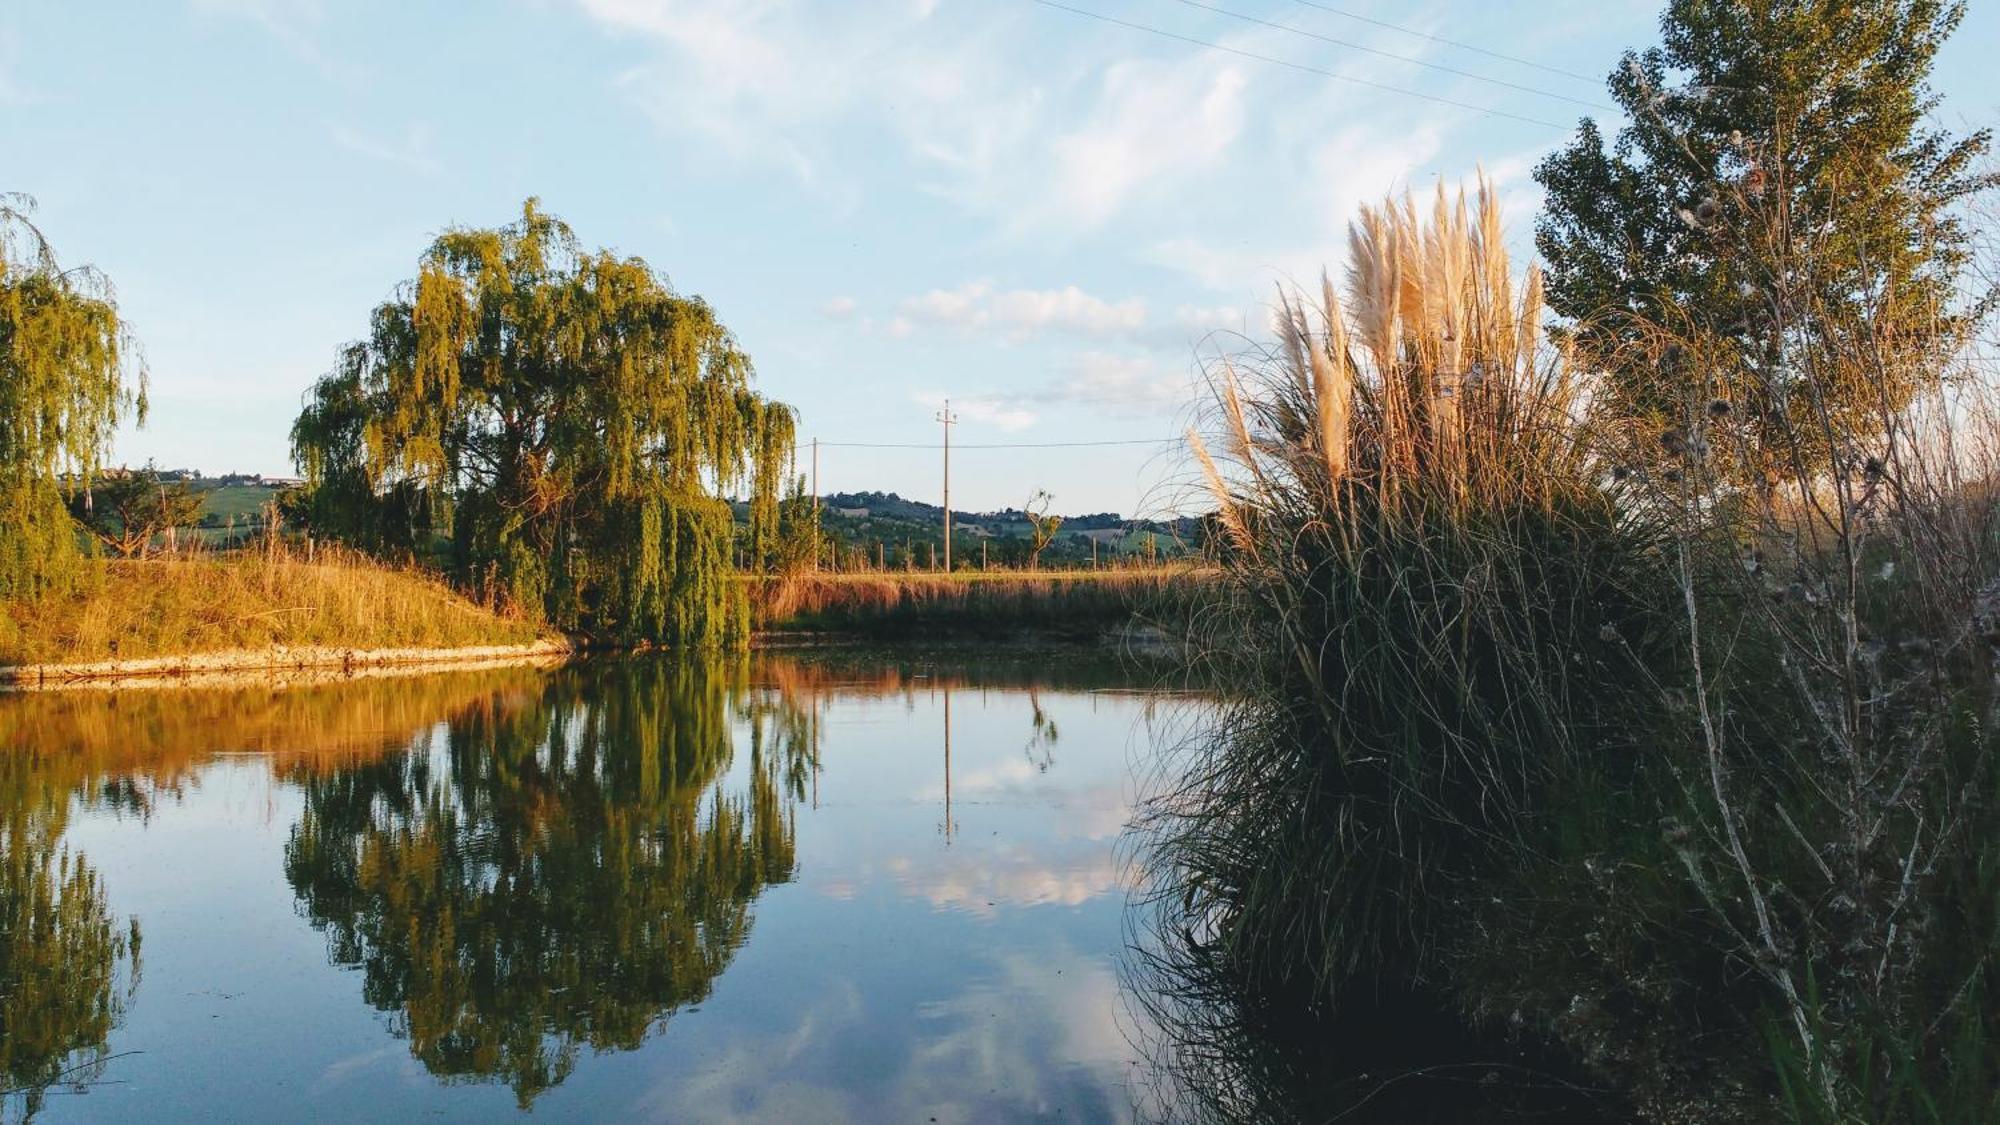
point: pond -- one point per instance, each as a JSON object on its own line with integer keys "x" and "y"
{"x": 778, "y": 887}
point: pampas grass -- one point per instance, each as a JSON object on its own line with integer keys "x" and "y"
{"x": 1430, "y": 606}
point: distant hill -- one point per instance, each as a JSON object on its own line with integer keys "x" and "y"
{"x": 899, "y": 531}
{"x": 890, "y": 506}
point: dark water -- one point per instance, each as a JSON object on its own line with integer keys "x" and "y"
{"x": 778, "y": 888}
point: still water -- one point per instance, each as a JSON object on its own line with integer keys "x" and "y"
{"x": 777, "y": 888}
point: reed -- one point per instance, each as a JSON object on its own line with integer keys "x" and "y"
{"x": 1430, "y": 603}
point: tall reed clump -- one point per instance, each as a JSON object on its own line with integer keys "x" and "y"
{"x": 1431, "y": 610}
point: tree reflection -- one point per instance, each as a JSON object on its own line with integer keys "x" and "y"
{"x": 62, "y": 955}
{"x": 553, "y": 869}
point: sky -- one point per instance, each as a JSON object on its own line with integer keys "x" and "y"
{"x": 1046, "y": 211}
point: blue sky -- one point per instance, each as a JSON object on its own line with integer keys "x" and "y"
{"x": 890, "y": 201}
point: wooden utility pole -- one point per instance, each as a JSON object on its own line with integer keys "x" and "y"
{"x": 817, "y": 525}
{"x": 948, "y": 419}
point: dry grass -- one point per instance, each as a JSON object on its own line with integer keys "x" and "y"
{"x": 134, "y": 609}
{"x": 969, "y": 602}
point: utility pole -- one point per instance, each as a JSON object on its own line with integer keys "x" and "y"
{"x": 817, "y": 525}
{"x": 948, "y": 419}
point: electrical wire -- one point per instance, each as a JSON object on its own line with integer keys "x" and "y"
{"x": 1392, "y": 55}
{"x": 1517, "y": 60}
{"x": 1323, "y": 73}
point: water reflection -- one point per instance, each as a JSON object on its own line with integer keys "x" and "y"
{"x": 1220, "y": 1048}
{"x": 553, "y": 869}
{"x": 67, "y": 965}
{"x": 436, "y": 895}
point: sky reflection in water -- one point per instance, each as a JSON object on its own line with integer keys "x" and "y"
{"x": 630, "y": 888}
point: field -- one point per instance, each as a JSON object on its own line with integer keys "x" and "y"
{"x": 970, "y": 604}
{"x": 243, "y": 503}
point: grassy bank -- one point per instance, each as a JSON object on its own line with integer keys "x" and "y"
{"x": 141, "y": 609}
{"x": 968, "y": 604}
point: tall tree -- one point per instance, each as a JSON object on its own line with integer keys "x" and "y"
{"x": 567, "y": 418}
{"x": 66, "y": 380}
{"x": 1775, "y": 166}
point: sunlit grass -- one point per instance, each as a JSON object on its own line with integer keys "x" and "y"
{"x": 1078, "y": 600}
{"x": 204, "y": 603}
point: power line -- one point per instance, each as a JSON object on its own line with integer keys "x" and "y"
{"x": 1392, "y": 55}
{"x": 1451, "y": 42}
{"x": 1323, "y": 73}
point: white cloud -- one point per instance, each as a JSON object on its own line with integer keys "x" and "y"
{"x": 1156, "y": 124}
{"x": 1352, "y": 166}
{"x": 744, "y": 76}
{"x": 1132, "y": 385}
{"x": 839, "y": 308}
{"x": 999, "y": 411}
{"x": 963, "y": 307}
{"x": 1067, "y": 309}
{"x": 1025, "y": 313}
{"x": 1097, "y": 383}
{"x": 1063, "y": 146}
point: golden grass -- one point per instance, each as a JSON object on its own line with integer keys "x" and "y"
{"x": 136, "y": 609}
{"x": 973, "y": 601}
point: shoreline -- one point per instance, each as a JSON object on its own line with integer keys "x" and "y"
{"x": 288, "y": 665}
{"x": 321, "y": 661}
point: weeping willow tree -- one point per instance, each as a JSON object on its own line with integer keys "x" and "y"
{"x": 64, "y": 361}
{"x": 566, "y": 421}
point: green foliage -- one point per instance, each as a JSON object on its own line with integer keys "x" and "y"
{"x": 127, "y": 510}
{"x": 64, "y": 359}
{"x": 564, "y": 418}
{"x": 1772, "y": 147}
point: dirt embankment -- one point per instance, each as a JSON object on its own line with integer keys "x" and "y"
{"x": 323, "y": 661}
